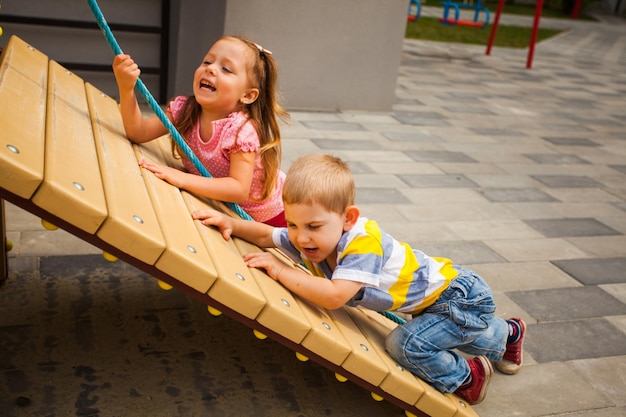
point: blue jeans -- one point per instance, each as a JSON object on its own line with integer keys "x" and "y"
{"x": 462, "y": 318}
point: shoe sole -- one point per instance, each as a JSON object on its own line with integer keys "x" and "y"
{"x": 509, "y": 367}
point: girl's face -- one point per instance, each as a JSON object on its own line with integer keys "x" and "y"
{"x": 221, "y": 84}
{"x": 315, "y": 231}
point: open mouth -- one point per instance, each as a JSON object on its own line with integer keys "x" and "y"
{"x": 207, "y": 85}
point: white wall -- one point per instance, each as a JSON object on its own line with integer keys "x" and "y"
{"x": 332, "y": 54}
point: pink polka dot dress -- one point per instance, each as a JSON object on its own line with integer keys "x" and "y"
{"x": 230, "y": 135}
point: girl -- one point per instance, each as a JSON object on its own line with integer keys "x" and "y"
{"x": 230, "y": 124}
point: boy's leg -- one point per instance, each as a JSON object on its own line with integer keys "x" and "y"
{"x": 490, "y": 341}
{"x": 462, "y": 314}
{"x": 424, "y": 346}
{"x": 417, "y": 345}
{"x": 512, "y": 360}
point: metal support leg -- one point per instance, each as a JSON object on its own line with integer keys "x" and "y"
{"x": 4, "y": 261}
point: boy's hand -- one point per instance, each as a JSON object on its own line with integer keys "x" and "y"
{"x": 126, "y": 71}
{"x": 210, "y": 217}
{"x": 264, "y": 260}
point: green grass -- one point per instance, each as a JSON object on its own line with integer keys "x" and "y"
{"x": 429, "y": 28}
{"x": 551, "y": 8}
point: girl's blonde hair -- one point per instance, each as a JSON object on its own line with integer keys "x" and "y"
{"x": 320, "y": 179}
{"x": 263, "y": 112}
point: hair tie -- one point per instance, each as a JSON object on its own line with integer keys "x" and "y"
{"x": 262, "y": 50}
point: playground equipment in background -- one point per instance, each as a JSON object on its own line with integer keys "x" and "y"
{"x": 533, "y": 36}
{"x": 415, "y": 9}
{"x": 457, "y": 21}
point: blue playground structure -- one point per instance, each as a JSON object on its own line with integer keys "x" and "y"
{"x": 477, "y": 7}
{"x": 415, "y": 8}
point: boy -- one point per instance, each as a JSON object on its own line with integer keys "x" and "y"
{"x": 355, "y": 263}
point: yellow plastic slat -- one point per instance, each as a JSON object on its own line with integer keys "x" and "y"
{"x": 23, "y": 84}
{"x": 235, "y": 287}
{"x": 282, "y": 313}
{"x": 364, "y": 360}
{"x": 72, "y": 188}
{"x": 185, "y": 257}
{"x": 325, "y": 339}
{"x": 131, "y": 224}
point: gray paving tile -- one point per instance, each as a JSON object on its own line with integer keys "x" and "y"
{"x": 346, "y": 144}
{"x": 620, "y": 205}
{"x": 610, "y": 411}
{"x": 571, "y": 227}
{"x": 438, "y": 181}
{"x": 462, "y": 98}
{"x": 468, "y": 109}
{"x": 556, "y": 125}
{"x": 572, "y": 340}
{"x": 620, "y": 168}
{"x": 359, "y": 168}
{"x": 412, "y": 136}
{"x": 421, "y": 118}
{"x": 561, "y": 304}
{"x": 439, "y": 156}
{"x": 341, "y": 126}
{"x": 559, "y": 159}
{"x": 570, "y": 141}
{"x": 547, "y": 389}
{"x": 380, "y": 195}
{"x": 461, "y": 253}
{"x": 567, "y": 181}
{"x": 595, "y": 271}
{"x": 517, "y": 195}
{"x": 596, "y": 122}
{"x": 497, "y": 132}
{"x": 605, "y": 374}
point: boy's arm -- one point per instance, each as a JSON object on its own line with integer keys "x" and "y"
{"x": 330, "y": 294}
{"x": 254, "y": 232}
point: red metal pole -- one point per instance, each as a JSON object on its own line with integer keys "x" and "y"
{"x": 533, "y": 37}
{"x": 576, "y": 9}
{"x": 494, "y": 27}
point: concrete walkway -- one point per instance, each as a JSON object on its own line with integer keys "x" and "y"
{"x": 519, "y": 174}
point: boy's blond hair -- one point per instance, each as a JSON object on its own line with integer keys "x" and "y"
{"x": 322, "y": 179}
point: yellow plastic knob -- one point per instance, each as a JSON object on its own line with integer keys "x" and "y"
{"x": 48, "y": 225}
{"x": 164, "y": 285}
{"x": 109, "y": 257}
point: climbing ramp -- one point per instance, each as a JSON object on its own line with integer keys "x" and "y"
{"x": 64, "y": 157}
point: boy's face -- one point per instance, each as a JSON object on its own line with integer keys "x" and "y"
{"x": 315, "y": 231}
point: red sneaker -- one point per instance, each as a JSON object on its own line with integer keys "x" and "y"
{"x": 475, "y": 391}
{"x": 512, "y": 360}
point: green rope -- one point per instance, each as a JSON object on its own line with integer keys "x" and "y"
{"x": 108, "y": 35}
{"x": 393, "y": 317}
